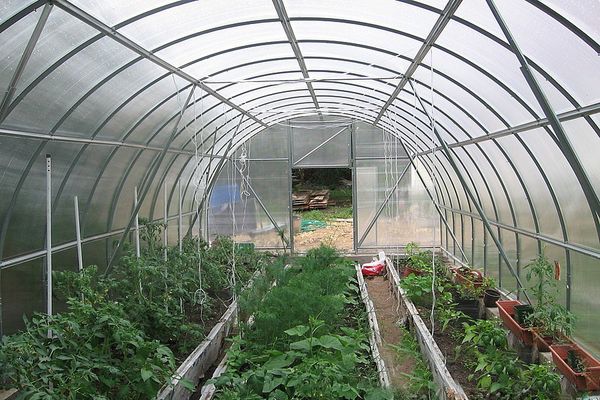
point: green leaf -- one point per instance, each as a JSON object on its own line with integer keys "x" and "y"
{"x": 330, "y": 342}
{"x": 271, "y": 383}
{"x": 495, "y": 386}
{"x": 485, "y": 382}
{"x": 299, "y": 330}
{"x": 303, "y": 344}
{"x": 280, "y": 361}
{"x": 146, "y": 374}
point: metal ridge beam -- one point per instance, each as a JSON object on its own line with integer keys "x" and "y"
{"x": 436, "y": 31}
{"x": 289, "y": 32}
{"x": 136, "y": 48}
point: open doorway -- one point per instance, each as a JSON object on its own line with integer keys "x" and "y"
{"x": 322, "y": 206}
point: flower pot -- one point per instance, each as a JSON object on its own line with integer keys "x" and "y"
{"x": 468, "y": 277}
{"x": 543, "y": 342}
{"x": 506, "y": 309}
{"x": 490, "y": 297}
{"x": 586, "y": 380}
{"x": 468, "y": 306}
{"x": 408, "y": 270}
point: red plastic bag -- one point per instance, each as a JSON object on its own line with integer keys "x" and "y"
{"x": 374, "y": 268}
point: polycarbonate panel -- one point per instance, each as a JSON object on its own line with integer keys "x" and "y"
{"x": 97, "y": 112}
{"x": 12, "y": 44}
{"x": 22, "y": 294}
{"x": 61, "y": 34}
{"x": 124, "y": 195}
{"x": 188, "y": 19}
{"x": 571, "y": 198}
{"x": 585, "y": 299}
{"x": 541, "y": 38}
{"x": 105, "y": 186}
{"x": 409, "y": 214}
{"x": 309, "y": 134}
{"x": 220, "y": 40}
{"x": 532, "y": 177}
{"x": 353, "y": 34}
{"x": 467, "y": 101}
{"x": 410, "y": 18}
{"x": 272, "y": 143}
{"x": 41, "y": 109}
{"x": 585, "y": 142}
{"x": 27, "y": 226}
{"x": 112, "y": 12}
{"x": 234, "y": 209}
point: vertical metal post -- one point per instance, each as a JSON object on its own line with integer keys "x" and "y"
{"x": 290, "y": 200}
{"x": 354, "y": 187}
{"x": 165, "y": 223}
{"x": 179, "y": 219}
{"x": 49, "y": 238}
{"x": 78, "y": 234}
{"x": 136, "y": 230}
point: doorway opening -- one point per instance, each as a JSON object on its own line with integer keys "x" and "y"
{"x": 323, "y": 210}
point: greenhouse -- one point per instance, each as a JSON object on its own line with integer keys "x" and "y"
{"x": 299, "y": 199}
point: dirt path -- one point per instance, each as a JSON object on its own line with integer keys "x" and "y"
{"x": 387, "y": 318}
{"x": 337, "y": 234}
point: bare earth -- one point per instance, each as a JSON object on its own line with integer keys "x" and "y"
{"x": 387, "y": 319}
{"x": 337, "y": 234}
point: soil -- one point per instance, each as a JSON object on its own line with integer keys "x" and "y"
{"x": 337, "y": 234}
{"x": 387, "y": 318}
{"x": 447, "y": 344}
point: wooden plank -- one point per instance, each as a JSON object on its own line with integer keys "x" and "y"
{"x": 208, "y": 391}
{"x": 374, "y": 336}
{"x": 202, "y": 358}
{"x": 447, "y": 387}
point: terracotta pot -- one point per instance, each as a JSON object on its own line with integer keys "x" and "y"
{"x": 589, "y": 379}
{"x": 506, "y": 309}
{"x": 543, "y": 342}
{"x": 473, "y": 277}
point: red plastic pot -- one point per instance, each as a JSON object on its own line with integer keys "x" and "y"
{"x": 589, "y": 380}
{"x": 506, "y": 309}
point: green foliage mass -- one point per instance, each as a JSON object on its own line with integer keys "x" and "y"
{"x": 124, "y": 331}
{"x": 308, "y": 339}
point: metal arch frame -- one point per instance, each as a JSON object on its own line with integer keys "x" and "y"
{"x": 472, "y": 26}
{"x": 433, "y": 35}
{"x": 131, "y": 45}
{"x": 289, "y": 32}
{"x": 27, "y": 52}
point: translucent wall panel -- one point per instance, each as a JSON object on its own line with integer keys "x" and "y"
{"x": 407, "y": 216}
{"x": 237, "y": 201}
{"x": 332, "y": 137}
{"x": 22, "y": 293}
{"x": 585, "y": 300}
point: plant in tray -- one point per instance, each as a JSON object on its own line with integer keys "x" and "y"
{"x": 551, "y": 322}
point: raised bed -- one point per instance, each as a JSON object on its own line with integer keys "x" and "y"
{"x": 202, "y": 358}
{"x": 447, "y": 387}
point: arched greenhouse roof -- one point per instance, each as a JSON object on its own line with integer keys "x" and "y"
{"x": 498, "y": 100}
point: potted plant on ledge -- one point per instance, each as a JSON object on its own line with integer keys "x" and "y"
{"x": 418, "y": 262}
{"x": 552, "y": 323}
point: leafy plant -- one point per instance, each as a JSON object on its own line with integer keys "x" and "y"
{"x": 550, "y": 318}
{"x": 307, "y": 340}
{"x": 417, "y": 287}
